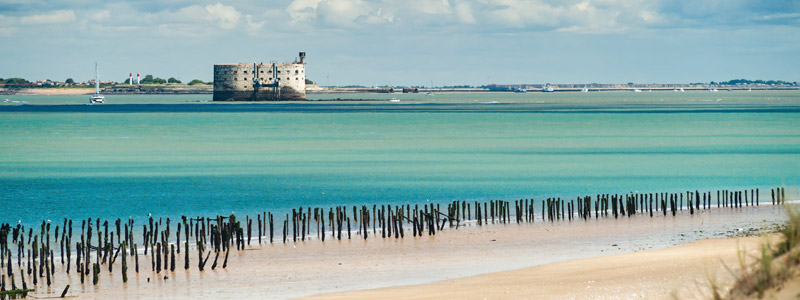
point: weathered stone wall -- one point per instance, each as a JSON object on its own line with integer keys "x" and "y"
{"x": 234, "y": 82}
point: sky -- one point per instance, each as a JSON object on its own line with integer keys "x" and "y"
{"x": 407, "y": 42}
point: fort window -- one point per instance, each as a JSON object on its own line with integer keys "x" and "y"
{"x": 295, "y": 71}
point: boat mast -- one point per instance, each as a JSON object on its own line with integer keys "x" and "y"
{"x": 96, "y": 80}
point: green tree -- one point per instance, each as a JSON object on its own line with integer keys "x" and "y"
{"x": 69, "y": 81}
{"x": 173, "y": 80}
{"x": 196, "y": 81}
{"x": 148, "y": 79}
{"x": 16, "y": 81}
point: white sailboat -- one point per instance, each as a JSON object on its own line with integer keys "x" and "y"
{"x": 96, "y": 98}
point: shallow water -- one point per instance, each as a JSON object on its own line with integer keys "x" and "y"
{"x": 168, "y": 156}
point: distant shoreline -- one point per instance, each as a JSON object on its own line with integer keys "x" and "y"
{"x": 205, "y": 90}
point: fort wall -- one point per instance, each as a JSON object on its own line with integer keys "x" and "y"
{"x": 260, "y": 81}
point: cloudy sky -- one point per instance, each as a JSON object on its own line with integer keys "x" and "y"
{"x": 408, "y": 42}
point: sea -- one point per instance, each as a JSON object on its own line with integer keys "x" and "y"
{"x": 183, "y": 155}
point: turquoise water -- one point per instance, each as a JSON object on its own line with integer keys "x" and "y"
{"x": 185, "y": 158}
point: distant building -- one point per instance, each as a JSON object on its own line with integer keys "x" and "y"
{"x": 47, "y": 82}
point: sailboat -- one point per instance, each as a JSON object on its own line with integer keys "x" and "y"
{"x": 97, "y": 98}
{"x": 585, "y": 89}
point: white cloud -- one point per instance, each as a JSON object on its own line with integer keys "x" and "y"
{"x": 464, "y": 13}
{"x": 100, "y": 16}
{"x": 58, "y": 16}
{"x": 781, "y": 16}
{"x": 341, "y": 13}
{"x": 431, "y": 6}
{"x": 491, "y": 15}
{"x": 303, "y": 10}
{"x": 186, "y": 15}
{"x": 6, "y": 26}
{"x": 252, "y": 26}
{"x": 227, "y": 17}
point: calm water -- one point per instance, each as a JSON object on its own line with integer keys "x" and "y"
{"x": 170, "y": 155}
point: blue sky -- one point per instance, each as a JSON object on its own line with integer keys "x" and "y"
{"x": 408, "y": 42}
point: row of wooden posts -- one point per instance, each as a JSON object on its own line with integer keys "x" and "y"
{"x": 219, "y": 234}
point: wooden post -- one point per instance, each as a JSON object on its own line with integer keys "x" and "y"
{"x": 95, "y": 269}
{"x": 783, "y": 195}
{"x": 270, "y": 228}
{"x": 172, "y": 257}
{"x": 157, "y": 254}
{"x": 225, "y": 262}
{"x": 124, "y": 265}
{"x": 64, "y": 293}
{"x": 186, "y": 255}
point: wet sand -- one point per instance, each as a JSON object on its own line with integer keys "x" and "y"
{"x": 681, "y": 272}
{"x": 313, "y": 268}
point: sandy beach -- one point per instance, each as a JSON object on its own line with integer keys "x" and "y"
{"x": 681, "y": 272}
{"x": 57, "y": 91}
{"x": 577, "y": 259}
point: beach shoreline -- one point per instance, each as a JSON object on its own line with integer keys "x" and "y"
{"x": 56, "y": 91}
{"x": 312, "y": 267}
{"x": 680, "y": 272}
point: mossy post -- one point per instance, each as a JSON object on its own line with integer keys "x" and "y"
{"x": 78, "y": 264}
{"x": 96, "y": 270}
{"x": 124, "y": 263}
{"x": 186, "y": 255}
{"x": 783, "y": 195}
